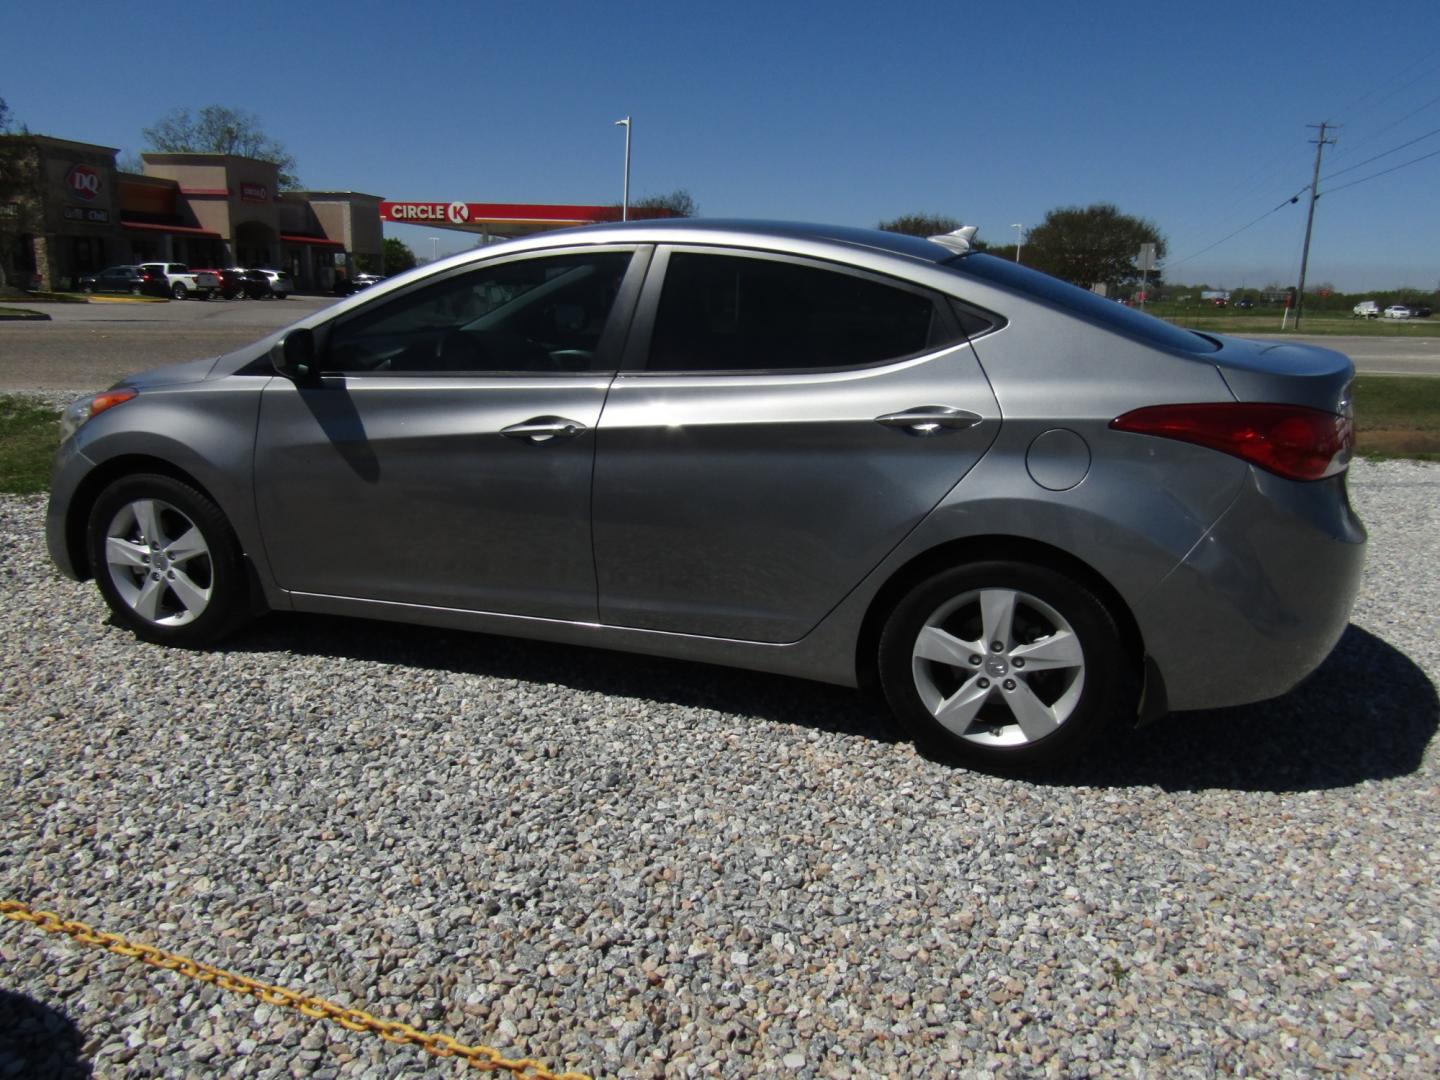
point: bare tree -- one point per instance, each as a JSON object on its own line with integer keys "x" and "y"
{"x": 921, "y": 224}
{"x": 218, "y": 129}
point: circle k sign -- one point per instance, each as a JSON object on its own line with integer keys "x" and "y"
{"x": 458, "y": 213}
{"x": 83, "y": 182}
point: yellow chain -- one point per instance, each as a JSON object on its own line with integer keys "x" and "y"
{"x": 481, "y": 1057}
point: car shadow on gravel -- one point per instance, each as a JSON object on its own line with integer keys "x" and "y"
{"x": 1367, "y": 713}
{"x": 656, "y": 679}
{"x": 38, "y": 1041}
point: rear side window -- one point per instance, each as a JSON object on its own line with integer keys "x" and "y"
{"x": 734, "y": 313}
{"x": 1077, "y": 301}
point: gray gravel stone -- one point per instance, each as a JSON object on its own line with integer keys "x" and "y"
{"x": 639, "y": 867}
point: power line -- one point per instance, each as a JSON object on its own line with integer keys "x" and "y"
{"x": 1388, "y": 127}
{"x": 1398, "y": 90}
{"x": 1382, "y": 172}
{"x": 1288, "y": 202}
{"x": 1387, "y": 153}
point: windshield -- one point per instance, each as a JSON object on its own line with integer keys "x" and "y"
{"x": 1077, "y": 301}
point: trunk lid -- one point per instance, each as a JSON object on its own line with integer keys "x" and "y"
{"x": 1285, "y": 373}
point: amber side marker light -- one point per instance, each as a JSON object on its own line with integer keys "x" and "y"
{"x": 109, "y": 399}
{"x": 1292, "y": 441}
{"x": 82, "y": 410}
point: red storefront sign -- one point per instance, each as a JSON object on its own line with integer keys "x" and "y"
{"x": 83, "y": 182}
{"x": 464, "y": 213}
{"x": 254, "y": 193}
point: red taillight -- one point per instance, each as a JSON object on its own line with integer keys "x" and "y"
{"x": 1288, "y": 440}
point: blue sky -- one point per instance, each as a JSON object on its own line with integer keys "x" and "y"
{"x": 1193, "y": 116}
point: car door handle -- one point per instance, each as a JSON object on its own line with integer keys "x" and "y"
{"x": 925, "y": 420}
{"x": 539, "y": 429}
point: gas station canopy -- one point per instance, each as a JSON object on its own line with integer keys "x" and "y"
{"x": 505, "y": 219}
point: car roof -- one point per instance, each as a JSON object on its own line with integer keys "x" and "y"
{"x": 730, "y": 231}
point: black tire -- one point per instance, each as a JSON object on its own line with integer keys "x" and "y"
{"x": 1062, "y": 667}
{"x": 178, "y": 291}
{"x": 166, "y": 609}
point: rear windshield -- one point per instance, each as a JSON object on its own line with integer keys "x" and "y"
{"x": 1077, "y": 301}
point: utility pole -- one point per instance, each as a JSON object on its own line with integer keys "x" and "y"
{"x": 1310, "y": 221}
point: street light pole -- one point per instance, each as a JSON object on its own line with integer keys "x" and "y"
{"x": 434, "y": 248}
{"x": 625, "y": 202}
{"x": 1019, "y": 239}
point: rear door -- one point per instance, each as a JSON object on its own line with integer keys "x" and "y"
{"x": 780, "y": 425}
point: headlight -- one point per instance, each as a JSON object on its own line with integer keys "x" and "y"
{"x": 82, "y": 409}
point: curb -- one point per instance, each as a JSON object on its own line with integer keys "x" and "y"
{"x": 23, "y": 315}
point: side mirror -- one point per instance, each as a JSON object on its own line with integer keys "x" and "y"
{"x": 294, "y": 357}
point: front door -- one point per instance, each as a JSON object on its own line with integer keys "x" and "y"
{"x": 444, "y": 457}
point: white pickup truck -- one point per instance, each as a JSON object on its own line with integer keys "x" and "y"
{"x": 183, "y": 281}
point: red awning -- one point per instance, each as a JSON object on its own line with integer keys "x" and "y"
{"x": 286, "y": 238}
{"x": 181, "y": 230}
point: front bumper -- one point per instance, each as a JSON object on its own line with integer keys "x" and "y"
{"x": 1261, "y": 599}
{"x": 71, "y": 468}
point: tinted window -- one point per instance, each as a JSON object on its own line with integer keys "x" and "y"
{"x": 731, "y": 313}
{"x": 533, "y": 315}
{"x": 1080, "y": 302}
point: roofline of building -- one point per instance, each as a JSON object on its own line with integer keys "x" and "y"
{"x": 335, "y": 195}
{"x": 51, "y": 140}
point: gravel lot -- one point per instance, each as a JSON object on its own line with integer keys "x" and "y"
{"x": 640, "y": 867}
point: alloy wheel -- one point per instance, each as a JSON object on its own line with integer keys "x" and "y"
{"x": 159, "y": 562}
{"x": 998, "y": 667}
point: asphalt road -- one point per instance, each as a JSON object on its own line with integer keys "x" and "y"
{"x": 1377, "y": 355}
{"x": 89, "y": 346}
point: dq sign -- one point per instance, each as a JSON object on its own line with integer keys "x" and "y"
{"x": 83, "y": 182}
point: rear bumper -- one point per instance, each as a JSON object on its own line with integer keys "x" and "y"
{"x": 1261, "y": 599}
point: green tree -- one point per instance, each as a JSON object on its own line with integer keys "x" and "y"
{"x": 218, "y": 129}
{"x": 19, "y": 201}
{"x": 398, "y": 256}
{"x": 1092, "y": 245}
{"x": 921, "y": 224}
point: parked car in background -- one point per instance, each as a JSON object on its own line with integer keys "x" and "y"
{"x": 232, "y": 283}
{"x": 281, "y": 283}
{"x": 1027, "y": 514}
{"x": 183, "y": 282}
{"x": 1245, "y": 305}
{"x": 1397, "y": 311}
{"x": 1419, "y": 311}
{"x": 117, "y": 279}
{"x": 1366, "y": 309}
{"x": 345, "y": 286}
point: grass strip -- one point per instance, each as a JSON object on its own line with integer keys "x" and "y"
{"x": 28, "y": 437}
{"x": 1397, "y": 416}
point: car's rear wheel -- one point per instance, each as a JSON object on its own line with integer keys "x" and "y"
{"x": 1005, "y": 666}
{"x": 166, "y": 561}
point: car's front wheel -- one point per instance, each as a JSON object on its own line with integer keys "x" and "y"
{"x": 1005, "y": 666}
{"x": 178, "y": 291}
{"x": 166, "y": 561}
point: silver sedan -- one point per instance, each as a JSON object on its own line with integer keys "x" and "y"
{"x": 1027, "y": 515}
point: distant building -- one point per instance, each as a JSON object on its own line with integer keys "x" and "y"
{"x": 66, "y": 210}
